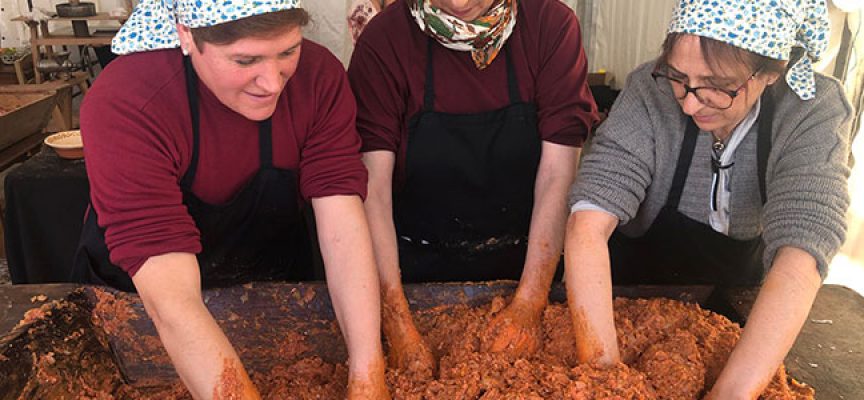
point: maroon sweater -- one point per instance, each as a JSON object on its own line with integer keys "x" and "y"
{"x": 137, "y": 132}
{"x": 388, "y": 73}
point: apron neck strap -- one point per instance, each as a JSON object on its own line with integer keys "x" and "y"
{"x": 685, "y": 157}
{"x": 265, "y": 143}
{"x": 688, "y": 146}
{"x": 429, "y": 90}
{"x": 192, "y": 96}
{"x": 265, "y": 129}
{"x": 763, "y": 144}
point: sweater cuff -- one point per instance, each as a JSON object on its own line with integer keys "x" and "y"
{"x": 821, "y": 248}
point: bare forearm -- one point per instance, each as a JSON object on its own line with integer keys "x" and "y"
{"x": 779, "y": 313}
{"x": 379, "y": 211}
{"x": 380, "y": 214}
{"x": 351, "y": 276}
{"x": 548, "y": 221}
{"x": 589, "y": 285}
{"x": 200, "y": 351}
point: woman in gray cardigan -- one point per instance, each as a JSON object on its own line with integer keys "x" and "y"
{"x": 724, "y": 163}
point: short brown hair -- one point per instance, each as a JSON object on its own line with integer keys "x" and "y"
{"x": 718, "y": 55}
{"x": 256, "y": 26}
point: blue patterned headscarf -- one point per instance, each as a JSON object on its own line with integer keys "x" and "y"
{"x": 153, "y": 24}
{"x": 767, "y": 27}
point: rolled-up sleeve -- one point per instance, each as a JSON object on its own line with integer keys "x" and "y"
{"x": 566, "y": 109}
{"x": 617, "y": 169}
{"x": 133, "y": 165}
{"x": 380, "y": 106}
{"x": 807, "y": 178}
{"x": 330, "y": 162}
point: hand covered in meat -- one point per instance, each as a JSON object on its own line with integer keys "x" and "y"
{"x": 368, "y": 386}
{"x": 407, "y": 351}
{"x": 516, "y": 330}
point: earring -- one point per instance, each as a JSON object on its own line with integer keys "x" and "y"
{"x": 184, "y": 50}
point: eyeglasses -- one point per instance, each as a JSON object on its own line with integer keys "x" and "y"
{"x": 713, "y": 97}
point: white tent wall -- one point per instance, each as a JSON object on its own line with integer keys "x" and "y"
{"x": 623, "y": 33}
{"x": 329, "y": 26}
{"x": 12, "y": 34}
{"x": 854, "y": 247}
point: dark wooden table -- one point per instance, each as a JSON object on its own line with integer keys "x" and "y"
{"x": 46, "y": 199}
{"x": 828, "y": 354}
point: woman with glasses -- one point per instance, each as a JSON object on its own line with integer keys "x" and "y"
{"x": 722, "y": 163}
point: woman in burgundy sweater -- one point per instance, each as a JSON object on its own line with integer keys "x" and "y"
{"x": 200, "y": 159}
{"x": 472, "y": 114}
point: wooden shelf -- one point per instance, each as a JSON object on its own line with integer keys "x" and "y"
{"x": 102, "y": 16}
{"x": 69, "y": 40}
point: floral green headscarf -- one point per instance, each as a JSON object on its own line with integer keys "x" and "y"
{"x": 483, "y": 37}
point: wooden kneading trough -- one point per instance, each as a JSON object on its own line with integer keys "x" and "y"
{"x": 99, "y": 344}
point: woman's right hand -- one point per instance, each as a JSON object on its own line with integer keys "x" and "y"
{"x": 169, "y": 286}
{"x": 407, "y": 350}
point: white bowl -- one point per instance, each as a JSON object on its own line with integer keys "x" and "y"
{"x": 67, "y": 144}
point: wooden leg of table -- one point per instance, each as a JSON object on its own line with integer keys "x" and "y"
{"x": 37, "y": 77}
{"x": 57, "y": 115}
{"x": 34, "y": 51}
{"x": 64, "y": 102}
{"x": 49, "y": 49}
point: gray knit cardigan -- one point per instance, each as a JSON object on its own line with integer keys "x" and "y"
{"x": 627, "y": 169}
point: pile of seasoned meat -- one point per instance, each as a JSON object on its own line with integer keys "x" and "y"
{"x": 669, "y": 349}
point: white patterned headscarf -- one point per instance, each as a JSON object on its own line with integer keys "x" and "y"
{"x": 153, "y": 24}
{"x": 767, "y": 27}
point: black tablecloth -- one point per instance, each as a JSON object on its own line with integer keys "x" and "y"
{"x": 46, "y": 198}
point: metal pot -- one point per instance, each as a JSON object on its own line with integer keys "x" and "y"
{"x": 74, "y": 9}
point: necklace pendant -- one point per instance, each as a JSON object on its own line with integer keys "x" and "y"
{"x": 718, "y": 146}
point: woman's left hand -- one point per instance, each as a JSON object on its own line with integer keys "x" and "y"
{"x": 515, "y": 330}
{"x": 780, "y": 310}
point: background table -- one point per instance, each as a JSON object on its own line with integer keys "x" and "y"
{"x": 40, "y": 35}
{"x": 46, "y": 198}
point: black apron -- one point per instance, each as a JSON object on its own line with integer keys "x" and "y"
{"x": 677, "y": 250}
{"x": 464, "y": 208}
{"x": 257, "y": 235}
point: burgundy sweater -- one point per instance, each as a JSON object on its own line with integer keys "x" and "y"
{"x": 388, "y": 74}
{"x": 137, "y": 132}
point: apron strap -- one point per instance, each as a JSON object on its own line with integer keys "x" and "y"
{"x": 429, "y": 91}
{"x": 192, "y": 95}
{"x": 512, "y": 82}
{"x": 763, "y": 144}
{"x": 688, "y": 146}
{"x": 265, "y": 130}
{"x": 685, "y": 157}
{"x": 265, "y": 142}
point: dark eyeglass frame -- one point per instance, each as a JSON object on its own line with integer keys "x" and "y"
{"x": 687, "y": 89}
